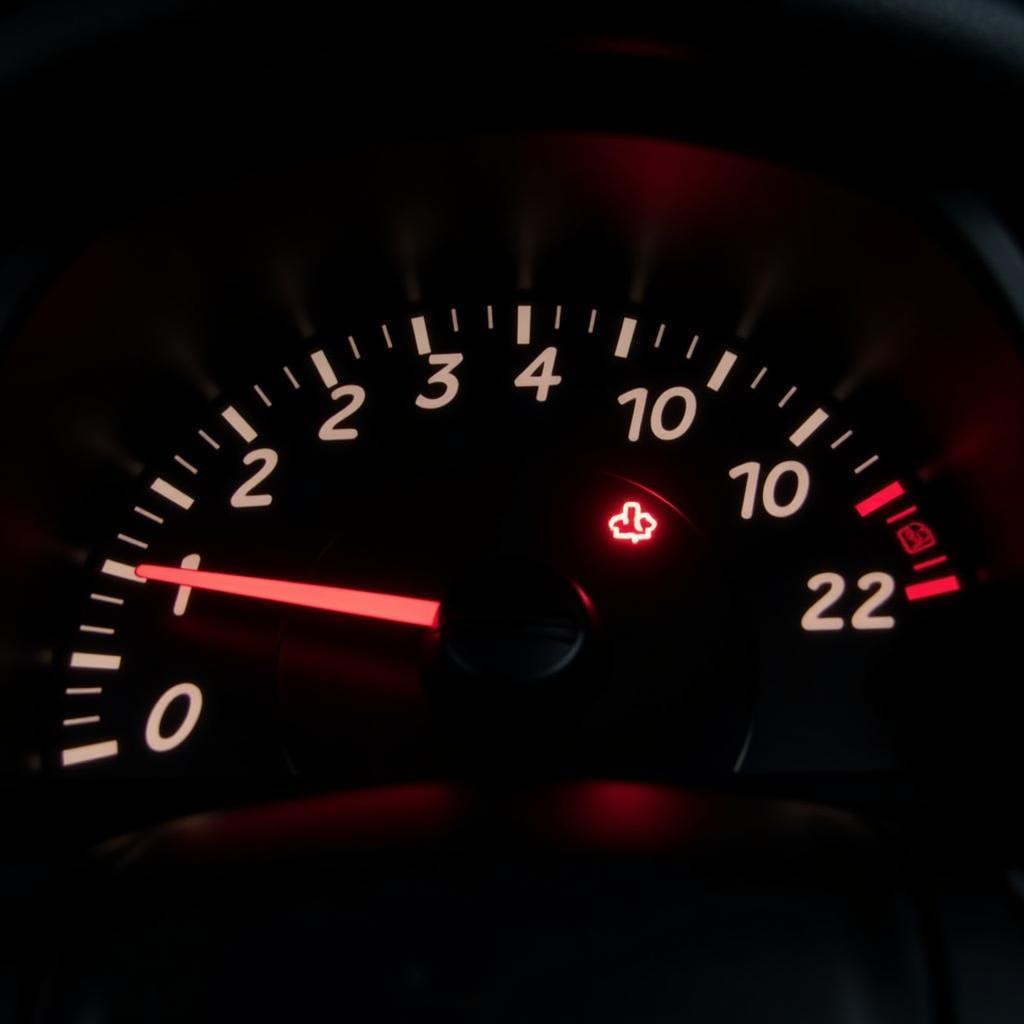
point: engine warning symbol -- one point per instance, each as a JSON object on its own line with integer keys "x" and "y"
{"x": 632, "y": 523}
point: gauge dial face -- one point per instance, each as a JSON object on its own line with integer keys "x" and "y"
{"x": 497, "y": 533}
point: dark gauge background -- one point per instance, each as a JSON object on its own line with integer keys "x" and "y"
{"x": 182, "y": 181}
{"x": 697, "y": 623}
{"x": 161, "y": 314}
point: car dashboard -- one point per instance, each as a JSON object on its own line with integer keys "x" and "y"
{"x": 524, "y": 530}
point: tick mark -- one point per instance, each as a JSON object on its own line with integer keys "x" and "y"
{"x": 721, "y": 370}
{"x": 151, "y": 516}
{"x": 524, "y": 314}
{"x": 817, "y": 418}
{"x": 880, "y": 499}
{"x": 625, "y": 338}
{"x": 420, "y": 335}
{"x": 134, "y": 541}
{"x": 323, "y": 367}
{"x": 173, "y": 494}
{"x": 241, "y": 426}
{"x": 90, "y": 752}
{"x": 120, "y": 570}
{"x": 932, "y": 588}
{"x": 99, "y": 662}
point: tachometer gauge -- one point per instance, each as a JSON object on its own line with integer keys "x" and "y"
{"x": 506, "y": 532}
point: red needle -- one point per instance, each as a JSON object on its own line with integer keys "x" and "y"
{"x": 410, "y": 611}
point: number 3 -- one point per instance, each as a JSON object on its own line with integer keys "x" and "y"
{"x": 445, "y": 377}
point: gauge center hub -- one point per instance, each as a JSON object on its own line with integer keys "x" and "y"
{"x": 515, "y": 626}
{"x": 512, "y": 660}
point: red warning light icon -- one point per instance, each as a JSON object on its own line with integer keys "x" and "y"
{"x": 915, "y": 537}
{"x": 632, "y": 523}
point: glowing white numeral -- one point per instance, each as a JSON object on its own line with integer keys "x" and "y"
{"x": 184, "y": 593}
{"x": 662, "y": 412}
{"x": 882, "y": 587}
{"x": 156, "y": 740}
{"x": 540, "y": 374}
{"x": 445, "y": 377}
{"x": 331, "y": 429}
{"x": 879, "y": 586}
{"x": 814, "y": 619}
{"x": 770, "y": 491}
{"x": 245, "y": 497}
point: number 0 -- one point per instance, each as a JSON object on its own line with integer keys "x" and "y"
{"x": 156, "y": 739}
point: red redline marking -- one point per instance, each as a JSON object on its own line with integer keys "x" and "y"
{"x": 921, "y": 566}
{"x": 902, "y": 515}
{"x": 881, "y": 498}
{"x": 932, "y": 588}
{"x": 409, "y": 611}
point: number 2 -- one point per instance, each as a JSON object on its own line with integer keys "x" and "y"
{"x": 332, "y": 429}
{"x": 246, "y": 496}
{"x": 879, "y": 586}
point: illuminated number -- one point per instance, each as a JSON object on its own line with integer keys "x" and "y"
{"x": 245, "y": 496}
{"x": 159, "y": 741}
{"x": 181, "y": 598}
{"x": 445, "y": 377}
{"x": 882, "y": 587}
{"x": 776, "y": 480}
{"x": 638, "y": 396}
{"x": 814, "y": 619}
{"x": 331, "y": 429}
{"x": 668, "y": 421}
{"x": 879, "y": 586}
{"x": 770, "y": 491}
{"x": 540, "y": 374}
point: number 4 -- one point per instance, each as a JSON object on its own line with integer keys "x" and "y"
{"x": 540, "y": 374}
